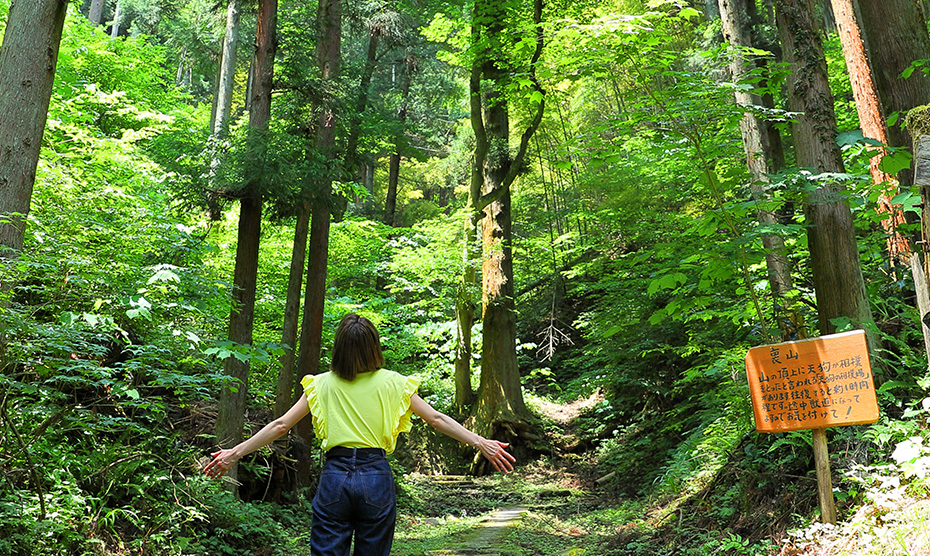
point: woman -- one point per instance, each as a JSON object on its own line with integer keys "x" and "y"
{"x": 358, "y": 409}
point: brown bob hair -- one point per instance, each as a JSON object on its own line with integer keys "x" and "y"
{"x": 357, "y": 347}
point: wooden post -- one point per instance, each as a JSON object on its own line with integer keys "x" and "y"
{"x": 824, "y": 479}
{"x": 922, "y": 181}
{"x": 922, "y": 288}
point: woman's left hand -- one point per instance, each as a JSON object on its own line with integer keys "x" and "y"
{"x": 494, "y": 451}
{"x": 222, "y": 462}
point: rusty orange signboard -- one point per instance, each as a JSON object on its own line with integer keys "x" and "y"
{"x": 812, "y": 384}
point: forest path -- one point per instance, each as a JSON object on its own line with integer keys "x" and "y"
{"x": 537, "y": 509}
{"x": 484, "y": 540}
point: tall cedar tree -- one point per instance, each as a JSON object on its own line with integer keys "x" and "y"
{"x": 499, "y": 410}
{"x": 837, "y": 272}
{"x": 869, "y": 109}
{"x": 27, "y": 71}
{"x": 329, "y": 19}
{"x": 896, "y": 35}
{"x": 231, "y": 415}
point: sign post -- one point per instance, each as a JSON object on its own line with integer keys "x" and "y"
{"x": 813, "y": 384}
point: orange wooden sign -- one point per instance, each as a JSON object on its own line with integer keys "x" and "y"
{"x": 812, "y": 384}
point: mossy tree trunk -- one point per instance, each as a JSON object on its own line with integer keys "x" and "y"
{"x": 230, "y": 418}
{"x": 760, "y": 159}
{"x": 499, "y": 410}
{"x": 836, "y": 269}
{"x": 329, "y": 20}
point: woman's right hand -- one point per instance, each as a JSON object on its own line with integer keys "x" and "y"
{"x": 223, "y": 460}
{"x": 494, "y": 451}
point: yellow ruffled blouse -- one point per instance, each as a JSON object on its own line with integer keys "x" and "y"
{"x": 368, "y": 412}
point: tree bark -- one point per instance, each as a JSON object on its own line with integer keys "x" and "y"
{"x": 896, "y": 35}
{"x": 835, "y": 264}
{"x": 390, "y": 202}
{"x": 872, "y": 122}
{"x": 28, "y": 57}
{"x": 311, "y": 331}
{"x": 499, "y": 410}
{"x": 355, "y": 123}
{"x": 464, "y": 320}
{"x": 284, "y": 391}
{"x": 117, "y": 16}
{"x": 736, "y": 31}
{"x": 328, "y": 60}
{"x": 465, "y": 304}
{"x": 224, "y": 85}
{"x": 231, "y": 410}
{"x": 232, "y": 402}
{"x": 95, "y": 14}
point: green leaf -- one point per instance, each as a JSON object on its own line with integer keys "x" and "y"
{"x": 164, "y": 275}
{"x": 892, "y": 384}
{"x": 894, "y": 162}
{"x": 68, "y": 318}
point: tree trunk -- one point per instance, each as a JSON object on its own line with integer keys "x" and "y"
{"x": 224, "y": 85}
{"x": 499, "y": 410}
{"x": 829, "y": 21}
{"x": 232, "y": 403}
{"x": 872, "y": 122}
{"x": 311, "y": 331}
{"x": 895, "y": 36}
{"x": 328, "y": 60}
{"x": 284, "y": 392}
{"x": 27, "y": 71}
{"x": 500, "y": 395}
{"x": 117, "y": 16}
{"x": 390, "y": 198}
{"x": 465, "y": 319}
{"x": 179, "y": 76}
{"x": 355, "y": 123}
{"x": 231, "y": 411}
{"x": 95, "y": 14}
{"x": 835, "y": 264}
{"x": 736, "y": 31}
{"x": 390, "y": 202}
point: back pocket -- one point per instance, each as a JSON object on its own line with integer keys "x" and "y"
{"x": 331, "y": 488}
{"x": 378, "y": 488}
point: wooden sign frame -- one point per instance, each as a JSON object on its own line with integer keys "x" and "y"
{"x": 812, "y": 384}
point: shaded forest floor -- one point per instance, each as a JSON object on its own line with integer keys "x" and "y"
{"x": 555, "y": 506}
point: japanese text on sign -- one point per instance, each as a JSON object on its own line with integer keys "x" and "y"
{"x": 812, "y": 384}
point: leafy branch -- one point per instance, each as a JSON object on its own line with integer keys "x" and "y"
{"x": 731, "y": 225}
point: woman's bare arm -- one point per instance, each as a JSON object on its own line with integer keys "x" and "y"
{"x": 493, "y": 450}
{"x": 223, "y": 460}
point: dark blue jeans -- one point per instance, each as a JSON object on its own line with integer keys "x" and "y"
{"x": 355, "y": 496}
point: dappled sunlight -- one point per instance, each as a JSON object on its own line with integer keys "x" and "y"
{"x": 564, "y": 413}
